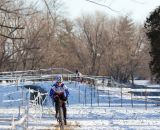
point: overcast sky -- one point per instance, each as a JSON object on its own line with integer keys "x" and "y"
{"x": 138, "y": 10}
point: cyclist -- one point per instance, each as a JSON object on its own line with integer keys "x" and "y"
{"x": 59, "y": 90}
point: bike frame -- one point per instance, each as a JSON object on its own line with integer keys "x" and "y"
{"x": 60, "y": 116}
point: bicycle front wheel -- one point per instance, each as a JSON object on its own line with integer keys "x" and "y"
{"x": 61, "y": 120}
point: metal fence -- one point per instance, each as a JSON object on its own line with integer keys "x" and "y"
{"x": 98, "y": 87}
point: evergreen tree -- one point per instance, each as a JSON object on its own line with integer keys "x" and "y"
{"x": 152, "y": 25}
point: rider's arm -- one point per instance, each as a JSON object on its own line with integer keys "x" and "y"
{"x": 66, "y": 91}
{"x": 51, "y": 93}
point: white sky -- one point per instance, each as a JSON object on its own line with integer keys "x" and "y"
{"x": 138, "y": 10}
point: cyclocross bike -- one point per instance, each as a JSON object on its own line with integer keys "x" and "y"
{"x": 60, "y": 114}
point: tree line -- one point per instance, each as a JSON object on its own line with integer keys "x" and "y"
{"x": 95, "y": 44}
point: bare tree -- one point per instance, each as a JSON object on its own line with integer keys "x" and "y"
{"x": 11, "y": 29}
{"x": 126, "y": 49}
{"x": 14, "y": 13}
{"x": 94, "y": 39}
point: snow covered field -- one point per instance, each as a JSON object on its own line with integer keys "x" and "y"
{"x": 88, "y": 109}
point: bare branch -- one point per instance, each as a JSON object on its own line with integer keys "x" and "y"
{"x": 49, "y": 10}
{"x": 11, "y": 27}
{"x": 11, "y": 37}
{"x": 28, "y": 14}
{"x": 16, "y": 11}
{"x": 103, "y": 5}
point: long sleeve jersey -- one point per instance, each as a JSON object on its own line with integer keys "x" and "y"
{"x": 62, "y": 89}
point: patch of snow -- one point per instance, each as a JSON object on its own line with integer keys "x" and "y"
{"x": 89, "y": 108}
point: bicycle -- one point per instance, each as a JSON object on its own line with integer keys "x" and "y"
{"x": 60, "y": 114}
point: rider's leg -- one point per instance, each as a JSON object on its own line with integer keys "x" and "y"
{"x": 56, "y": 108}
{"x": 64, "y": 112}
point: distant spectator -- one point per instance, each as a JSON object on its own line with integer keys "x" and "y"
{"x": 109, "y": 83}
{"x": 103, "y": 79}
{"x": 78, "y": 76}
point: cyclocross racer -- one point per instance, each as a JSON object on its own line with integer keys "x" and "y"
{"x": 59, "y": 90}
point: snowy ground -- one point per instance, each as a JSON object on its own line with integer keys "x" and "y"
{"x": 92, "y": 110}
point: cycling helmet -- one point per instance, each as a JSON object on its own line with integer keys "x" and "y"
{"x": 59, "y": 79}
